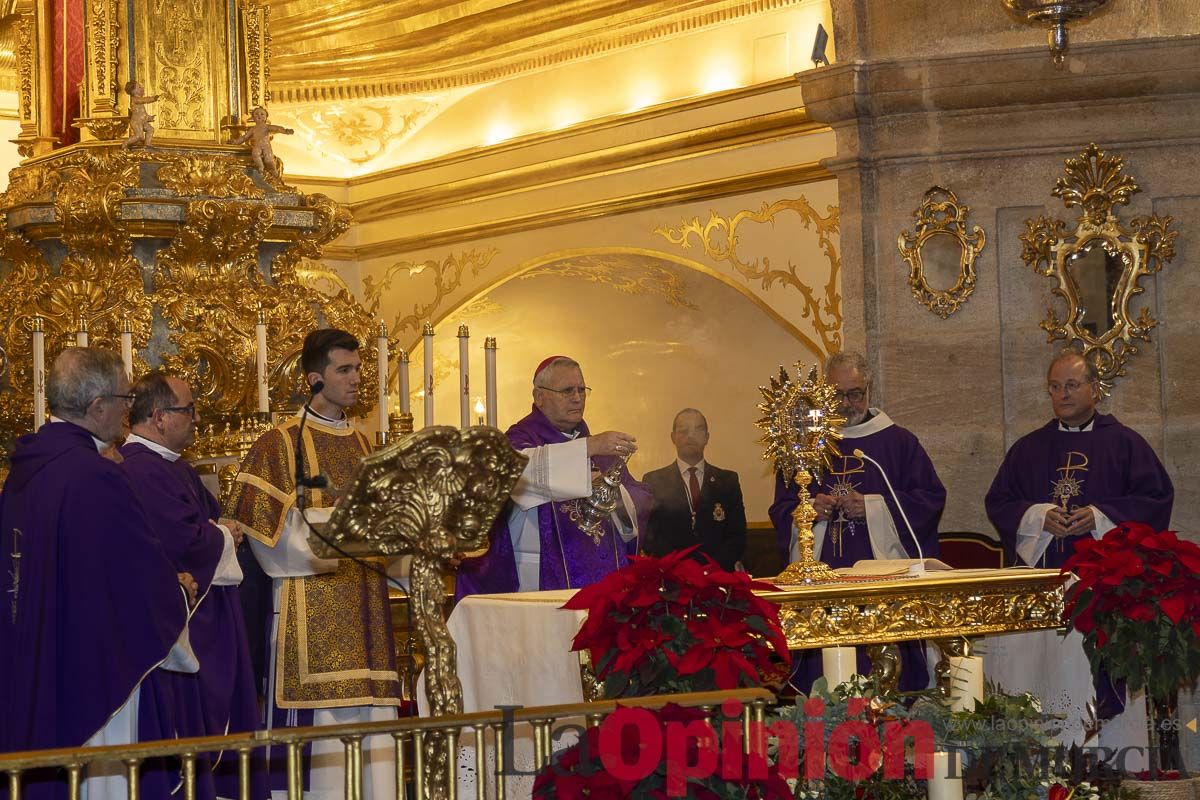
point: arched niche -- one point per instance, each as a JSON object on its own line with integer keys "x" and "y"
{"x": 655, "y": 333}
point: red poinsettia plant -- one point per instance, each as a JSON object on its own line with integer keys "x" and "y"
{"x": 1137, "y": 604}
{"x": 677, "y": 624}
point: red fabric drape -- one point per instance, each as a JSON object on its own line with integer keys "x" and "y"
{"x": 67, "y": 66}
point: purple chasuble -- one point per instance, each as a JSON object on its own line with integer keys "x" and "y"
{"x": 1110, "y": 467}
{"x": 923, "y": 496}
{"x": 563, "y": 544}
{"x": 221, "y": 698}
{"x": 94, "y": 605}
{"x": 912, "y": 475}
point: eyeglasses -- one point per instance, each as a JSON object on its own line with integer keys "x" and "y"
{"x": 189, "y": 409}
{"x": 854, "y": 395}
{"x": 570, "y": 391}
{"x": 1071, "y": 387}
{"x": 128, "y": 398}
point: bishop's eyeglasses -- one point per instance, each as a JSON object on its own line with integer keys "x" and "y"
{"x": 570, "y": 391}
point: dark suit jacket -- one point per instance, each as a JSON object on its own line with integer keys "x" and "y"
{"x": 720, "y": 527}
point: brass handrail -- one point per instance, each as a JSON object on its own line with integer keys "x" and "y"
{"x": 405, "y": 730}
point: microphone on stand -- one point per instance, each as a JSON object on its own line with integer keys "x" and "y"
{"x": 920, "y": 555}
{"x": 303, "y": 481}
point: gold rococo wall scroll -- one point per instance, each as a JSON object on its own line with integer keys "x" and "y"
{"x": 1098, "y": 266}
{"x": 941, "y": 220}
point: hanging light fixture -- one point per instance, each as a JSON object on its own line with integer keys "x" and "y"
{"x": 1055, "y": 13}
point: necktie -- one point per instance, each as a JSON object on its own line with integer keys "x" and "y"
{"x": 693, "y": 490}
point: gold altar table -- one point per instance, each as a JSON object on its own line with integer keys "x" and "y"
{"x": 948, "y": 607}
{"x": 949, "y": 604}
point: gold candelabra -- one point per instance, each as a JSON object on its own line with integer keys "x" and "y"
{"x": 800, "y": 432}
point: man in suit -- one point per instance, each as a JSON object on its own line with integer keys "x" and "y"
{"x": 696, "y": 502}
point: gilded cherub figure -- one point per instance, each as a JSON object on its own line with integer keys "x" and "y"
{"x": 259, "y": 136}
{"x": 140, "y": 129}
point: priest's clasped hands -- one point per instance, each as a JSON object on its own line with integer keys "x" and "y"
{"x": 1061, "y": 523}
{"x": 189, "y": 586}
{"x": 236, "y": 529}
{"x": 852, "y": 506}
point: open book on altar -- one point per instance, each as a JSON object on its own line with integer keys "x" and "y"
{"x": 885, "y": 567}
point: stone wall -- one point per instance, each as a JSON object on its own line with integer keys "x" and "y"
{"x": 995, "y": 128}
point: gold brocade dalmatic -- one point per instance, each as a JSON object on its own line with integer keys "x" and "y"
{"x": 334, "y": 645}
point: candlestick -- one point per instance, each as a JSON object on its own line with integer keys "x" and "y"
{"x": 966, "y": 682}
{"x": 489, "y": 368}
{"x": 39, "y": 372}
{"x": 839, "y": 665}
{"x": 260, "y": 353}
{"x": 382, "y": 365}
{"x": 427, "y": 333}
{"x": 81, "y": 332}
{"x": 404, "y": 388}
{"x": 479, "y": 409}
{"x": 464, "y": 376}
{"x": 127, "y": 347}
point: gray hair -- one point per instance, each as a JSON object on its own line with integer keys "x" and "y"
{"x": 151, "y": 392}
{"x": 849, "y": 358}
{"x": 80, "y": 375}
{"x": 1093, "y": 372}
{"x": 561, "y": 361}
{"x": 675, "y": 422}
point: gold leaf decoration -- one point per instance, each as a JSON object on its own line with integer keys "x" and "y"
{"x": 719, "y": 238}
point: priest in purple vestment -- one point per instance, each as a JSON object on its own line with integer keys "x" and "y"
{"x": 857, "y": 517}
{"x": 221, "y": 697}
{"x": 534, "y": 544}
{"x": 91, "y": 605}
{"x": 1076, "y": 477}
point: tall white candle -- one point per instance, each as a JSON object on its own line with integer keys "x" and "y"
{"x": 464, "y": 377}
{"x": 127, "y": 347}
{"x": 966, "y": 682}
{"x": 945, "y": 780}
{"x": 81, "y": 333}
{"x": 39, "y": 372}
{"x": 427, "y": 333}
{"x": 404, "y": 388}
{"x": 382, "y": 353}
{"x": 260, "y": 353}
{"x": 489, "y": 368}
{"x": 839, "y": 665}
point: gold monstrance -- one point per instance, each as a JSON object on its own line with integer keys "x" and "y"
{"x": 800, "y": 431}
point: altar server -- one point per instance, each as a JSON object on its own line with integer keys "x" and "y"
{"x": 535, "y": 544}
{"x": 333, "y": 657}
{"x": 91, "y": 608}
{"x": 857, "y": 517}
{"x": 221, "y": 697}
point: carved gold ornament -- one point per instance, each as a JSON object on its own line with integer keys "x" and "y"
{"x": 800, "y": 432}
{"x": 935, "y": 606}
{"x": 720, "y": 239}
{"x": 1097, "y": 267}
{"x": 433, "y": 495}
{"x": 197, "y": 298}
{"x": 626, "y": 273}
{"x": 941, "y": 220}
{"x": 447, "y": 276}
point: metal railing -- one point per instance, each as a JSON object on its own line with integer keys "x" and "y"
{"x": 411, "y": 736}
